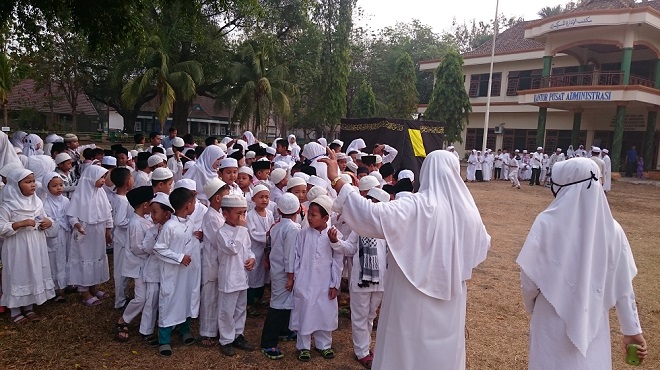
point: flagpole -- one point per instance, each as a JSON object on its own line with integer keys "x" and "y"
{"x": 490, "y": 78}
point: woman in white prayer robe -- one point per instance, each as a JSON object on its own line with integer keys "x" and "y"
{"x": 472, "y": 166}
{"x": 571, "y": 277}
{"x": 205, "y": 169}
{"x": 7, "y": 152}
{"x": 428, "y": 264}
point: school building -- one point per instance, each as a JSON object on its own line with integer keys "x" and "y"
{"x": 590, "y": 77}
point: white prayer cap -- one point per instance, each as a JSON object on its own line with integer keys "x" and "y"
{"x": 605, "y": 151}
{"x": 186, "y": 183}
{"x": 317, "y": 181}
{"x": 233, "y": 201}
{"x": 212, "y": 187}
{"x": 368, "y": 182}
{"x": 302, "y": 175}
{"x": 339, "y": 142}
{"x": 68, "y": 138}
{"x": 163, "y": 199}
{"x": 178, "y": 142}
{"x": 379, "y": 159}
{"x": 154, "y": 160}
{"x": 223, "y": 147}
{"x": 54, "y": 138}
{"x": 516, "y": 151}
{"x": 109, "y": 161}
{"x": 281, "y": 164}
{"x": 169, "y": 152}
{"x": 351, "y": 166}
{"x": 271, "y": 151}
{"x": 450, "y": 147}
{"x": 559, "y": 149}
{"x": 62, "y": 157}
{"x": 325, "y": 202}
{"x": 259, "y": 188}
{"x": 316, "y": 192}
{"x": 161, "y": 173}
{"x": 250, "y": 155}
{"x": 379, "y": 194}
{"x": 4, "y": 171}
{"x": 227, "y": 163}
{"x": 341, "y": 156}
{"x": 162, "y": 156}
{"x": 539, "y": 148}
{"x": 247, "y": 170}
{"x": 277, "y": 175}
{"x": 347, "y": 178}
{"x": 134, "y": 153}
{"x": 406, "y": 174}
{"x": 295, "y": 181}
{"x": 288, "y": 204}
{"x": 595, "y": 149}
{"x": 188, "y": 165}
{"x": 524, "y": 151}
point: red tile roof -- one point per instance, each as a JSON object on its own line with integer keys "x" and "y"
{"x": 26, "y": 96}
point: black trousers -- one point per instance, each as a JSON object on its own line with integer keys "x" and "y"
{"x": 536, "y": 176}
{"x": 498, "y": 173}
{"x": 276, "y": 324}
{"x": 631, "y": 169}
{"x": 479, "y": 175}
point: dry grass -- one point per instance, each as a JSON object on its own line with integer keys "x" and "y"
{"x": 74, "y": 336}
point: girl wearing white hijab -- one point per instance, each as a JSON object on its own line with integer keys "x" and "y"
{"x": 18, "y": 139}
{"x": 249, "y": 138}
{"x": 41, "y": 165}
{"x": 356, "y": 145}
{"x": 7, "y": 152}
{"x": 205, "y": 169}
{"x": 55, "y": 206}
{"x": 472, "y": 166}
{"x": 572, "y": 276}
{"x": 90, "y": 215}
{"x": 294, "y": 147}
{"x": 570, "y": 152}
{"x": 33, "y": 145}
{"x": 428, "y": 264}
{"x": 26, "y": 278}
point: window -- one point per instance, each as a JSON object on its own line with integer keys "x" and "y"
{"x": 479, "y": 85}
{"x": 523, "y": 80}
{"x": 202, "y": 130}
{"x": 214, "y": 130}
{"x": 138, "y": 126}
{"x": 474, "y": 138}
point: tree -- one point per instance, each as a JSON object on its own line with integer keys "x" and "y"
{"x": 550, "y": 11}
{"x": 364, "y": 105}
{"x": 403, "y": 97}
{"x": 8, "y": 79}
{"x": 257, "y": 85}
{"x": 450, "y": 103}
{"x": 468, "y": 38}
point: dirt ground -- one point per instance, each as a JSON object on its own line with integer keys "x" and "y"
{"x": 73, "y": 336}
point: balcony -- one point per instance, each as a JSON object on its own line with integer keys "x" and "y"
{"x": 609, "y": 78}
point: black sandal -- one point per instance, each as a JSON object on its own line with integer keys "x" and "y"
{"x": 119, "y": 330}
{"x": 326, "y": 353}
{"x": 150, "y": 340}
{"x": 304, "y": 355}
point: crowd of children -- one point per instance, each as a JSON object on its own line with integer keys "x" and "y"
{"x": 201, "y": 231}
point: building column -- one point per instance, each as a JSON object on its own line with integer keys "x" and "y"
{"x": 625, "y": 64}
{"x": 617, "y": 140}
{"x": 575, "y": 134}
{"x": 543, "y": 111}
{"x": 649, "y": 138}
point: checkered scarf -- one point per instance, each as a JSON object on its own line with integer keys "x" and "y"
{"x": 369, "y": 269}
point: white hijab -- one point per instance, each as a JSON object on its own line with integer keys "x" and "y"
{"x": 444, "y": 237}
{"x": 34, "y": 145}
{"x": 356, "y": 145}
{"x": 202, "y": 171}
{"x": 249, "y": 138}
{"x": 7, "y": 152}
{"x": 18, "y": 139}
{"x": 89, "y": 203}
{"x": 323, "y": 142}
{"x": 55, "y": 206}
{"x": 40, "y": 165}
{"x": 314, "y": 151}
{"x": 294, "y": 144}
{"x": 582, "y": 265}
{"x": 17, "y": 203}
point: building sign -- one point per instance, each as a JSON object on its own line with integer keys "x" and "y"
{"x": 573, "y": 96}
{"x": 632, "y": 122}
{"x": 570, "y": 23}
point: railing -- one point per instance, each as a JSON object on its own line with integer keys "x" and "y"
{"x": 609, "y": 78}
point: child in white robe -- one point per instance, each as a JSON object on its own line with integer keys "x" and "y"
{"x": 26, "y": 278}
{"x": 317, "y": 280}
{"x": 90, "y": 215}
{"x": 214, "y": 190}
{"x": 235, "y": 260}
{"x": 228, "y": 170}
{"x": 135, "y": 257}
{"x": 180, "y": 272}
{"x": 284, "y": 237}
{"x": 259, "y": 221}
{"x": 513, "y": 172}
{"x": 55, "y": 205}
{"x": 122, "y": 212}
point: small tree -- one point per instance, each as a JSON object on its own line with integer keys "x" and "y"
{"x": 403, "y": 97}
{"x": 364, "y": 105}
{"x": 450, "y": 103}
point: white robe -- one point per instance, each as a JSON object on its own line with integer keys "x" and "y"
{"x": 179, "y": 284}
{"x": 135, "y": 257}
{"x": 487, "y": 167}
{"x": 472, "y": 167}
{"x": 208, "y": 302}
{"x": 141, "y": 178}
{"x": 317, "y": 269}
{"x": 233, "y": 251}
{"x": 607, "y": 175}
{"x": 284, "y": 237}
{"x": 258, "y": 226}
{"x": 58, "y": 242}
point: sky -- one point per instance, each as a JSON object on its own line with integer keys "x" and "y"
{"x": 440, "y": 13}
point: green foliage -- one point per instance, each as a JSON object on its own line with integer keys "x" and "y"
{"x": 364, "y": 105}
{"x": 403, "y": 96}
{"x": 450, "y": 103}
{"x": 470, "y": 36}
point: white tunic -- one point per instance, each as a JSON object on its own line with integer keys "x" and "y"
{"x": 134, "y": 256}
{"x": 58, "y": 241}
{"x": 258, "y": 226}
{"x": 607, "y": 175}
{"x": 211, "y": 225}
{"x": 88, "y": 261}
{"x": 233, "y": 251}
{"x": 179, "y": 284}
{"x": 141, "y": 178}
{"x": 317, "y": 269}
{"x": 284, "y": 239}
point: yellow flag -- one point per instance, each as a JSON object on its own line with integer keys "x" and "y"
{"x": 417, "y": 142}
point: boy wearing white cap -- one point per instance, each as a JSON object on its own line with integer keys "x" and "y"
{"x": 279, "y": 180}
{"x": 513, "y": 169}
{"x": 162, "y": 180}
{"x": 64, "y": 168}
{"x": 317, "y": 276}
{"x": 367, "y": 281}
{"x": 537, "y": 162}
{"x": 259, "y": 221}
{"x": 284, "y": 236}
{"x": 214, "y": 190}
{"x": 122, "y": 213}
{"x": 235, "y": 260}
{"x": 228, "y": 168}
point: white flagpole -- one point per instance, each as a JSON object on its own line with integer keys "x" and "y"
{"x": 490, "y": 78}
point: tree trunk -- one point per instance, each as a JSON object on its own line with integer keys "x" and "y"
{"x": 129, "y": 120}
{"x": 180, "y": 115}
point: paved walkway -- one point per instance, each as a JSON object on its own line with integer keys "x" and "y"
{"x": 638, "y": 181}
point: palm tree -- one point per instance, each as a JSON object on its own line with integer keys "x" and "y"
{"x": 255, "y": 85}
{"x": 550, "y": 11}
{"x": 169, "y": 81}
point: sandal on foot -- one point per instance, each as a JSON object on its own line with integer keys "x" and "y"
{"x": 100, "y": 294}
{"x": 304, "y": 355}
{"x": 326, "y": 353}
{"x": 366, "y": 361}
{"x": 273, "y": 353}
{"x": 30, "y": 315}
{"x": 150, "y": 341}
{"x": 165, "y": 350}
{"x": 19, "y": 319}
{"x": 187, "y": 339}
{"x": 59, "y": 299}
{"x": 288, "y": 338}
{"x": 121, "y": 332}
{"x": 92, "y": 302}
{"x": 206, "y": 342}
